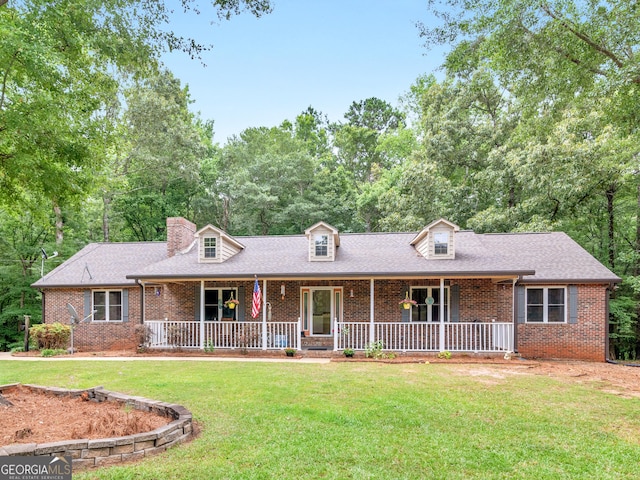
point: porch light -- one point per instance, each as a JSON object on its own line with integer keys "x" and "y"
{"x": 351, "y": 293}
{"x": 282, "y": 291}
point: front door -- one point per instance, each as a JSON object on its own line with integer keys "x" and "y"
{"x": 319, "y": 307}
{"x": 321, "y": 312}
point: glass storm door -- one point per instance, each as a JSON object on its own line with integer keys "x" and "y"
{"x": 321, "y": 310}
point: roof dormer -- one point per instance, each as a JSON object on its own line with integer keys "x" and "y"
{"x": 323, "y": 242}
{"x": 437, "y": 240}
{"x": 215, "y": 245}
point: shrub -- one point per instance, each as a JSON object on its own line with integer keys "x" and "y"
{"x": 374, "y": 350}
{"x": 52, "y": 352}
{"x": 50, "y": 335}
{"x": 445, "y": 354}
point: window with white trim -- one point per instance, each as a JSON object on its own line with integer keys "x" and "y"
{"x": 428, "y": 304}
{"x": 441, "y": 243}
{"x": 322, "y": 245}
{"x": 108, "y": 305}
{"x": 546, "y": 305}
{"x": 210, "y": 245}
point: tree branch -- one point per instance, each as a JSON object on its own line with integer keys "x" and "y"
{"x": 6, "y": 74}
{"x": 540, "y": 40}
{"x": 585, "y": 38}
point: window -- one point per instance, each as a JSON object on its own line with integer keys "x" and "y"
{"x": 214, "y": 308}
{"x": 429, "y": 304}
{"x": 322, "y": 245}
{"x": 440, "y": 243}
{"x": 210, "y": 247}
{"x": 546, "y": 305}
{"x": 108, "y": 305}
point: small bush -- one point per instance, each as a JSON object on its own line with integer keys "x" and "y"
{"x": 445, "y": 354}
{"x": 374, "y": 350}
{"x": 52, "y": 352}
{"x": 50, "y": 335}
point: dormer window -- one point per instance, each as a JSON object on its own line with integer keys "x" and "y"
{"x": 322, "y": 245}
{"x": 215, "y": 245}
{"x": 210, "y": 244}
{"x": 437, "y": 240}
{"x": 323, "y": 242}
{"x": 441, "y": 243}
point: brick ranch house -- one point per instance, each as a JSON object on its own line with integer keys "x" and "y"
{"x": 538, "y": 294}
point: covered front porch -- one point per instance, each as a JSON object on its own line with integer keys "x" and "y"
{"x": 456, "y": 315}
{"x": 401, "y": 337}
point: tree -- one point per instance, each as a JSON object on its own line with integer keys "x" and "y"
{"x": 574, "y": 71}
{"x": 61, "y": 64}
{"x": 265, "y": 177}
{"x": 164, "y": 146}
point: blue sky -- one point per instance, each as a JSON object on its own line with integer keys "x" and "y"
{"x": 325, "y": 54}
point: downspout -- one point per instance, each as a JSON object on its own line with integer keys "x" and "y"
{"x": 43, "y": 307}
{"x": 143, "y": 313}
{"x": 514, "y": 303}
{"x": 515, "y": 314}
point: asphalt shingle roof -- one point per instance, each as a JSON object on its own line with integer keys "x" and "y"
{"x": 539, "y": 257}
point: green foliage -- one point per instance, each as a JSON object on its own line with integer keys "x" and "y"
{"x": 21, "y": 238}
{"x": 445, "y": 355}
{"x": 52, "y": 352}
{"x": 375, "y": 350}
{"x": 51, "y": 336}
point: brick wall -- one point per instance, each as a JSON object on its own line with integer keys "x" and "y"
{"x": 480, "y": 300}
{"x": 93, "y": 336}
{"x": 584, "y": 340}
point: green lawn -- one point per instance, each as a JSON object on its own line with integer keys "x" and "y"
{"x": 366, "y": 421}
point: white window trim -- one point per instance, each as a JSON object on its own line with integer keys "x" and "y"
{"x": 204, "y": 247}
{"x": 430, "y": 289}
{"x": 447, "y": 243}
{"x": 321, "y": 240}
{"x": 545, "y": 304}
{"x": 106, "y": 306}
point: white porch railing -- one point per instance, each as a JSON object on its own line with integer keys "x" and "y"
{"x": 405, "y": 336}
{"x": 170, "y": 334}
{"x": 425, "y": 336}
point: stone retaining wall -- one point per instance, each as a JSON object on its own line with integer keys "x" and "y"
{"x": 109, "y": 451}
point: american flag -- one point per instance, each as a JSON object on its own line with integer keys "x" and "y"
{"x": 257, "y": 299}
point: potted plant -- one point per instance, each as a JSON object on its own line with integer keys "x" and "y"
{"x": 290, "y": 351}
{"x": 231, "y": 303}
{"x": 348, "y": 352}
{"x": 406, "y": 302}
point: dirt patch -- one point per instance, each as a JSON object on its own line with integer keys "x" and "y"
{"x": 40, "y": 418}
{"x": 615, "y": 379}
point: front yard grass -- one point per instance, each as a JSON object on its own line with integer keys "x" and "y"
{"x": 366, "y": 421}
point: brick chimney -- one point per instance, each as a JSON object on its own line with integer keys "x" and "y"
{"x": 180, "y": 233}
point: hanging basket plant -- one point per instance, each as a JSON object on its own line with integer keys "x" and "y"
{"x": 231, "y": 303}
{"x": 406, "y": 302}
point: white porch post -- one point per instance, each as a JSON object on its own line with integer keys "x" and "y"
{"x": 202, "y": 314}
{"x": 372, "y": 330}
{"x": 264, "y": 314}
{"x": 441, "y": 314}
